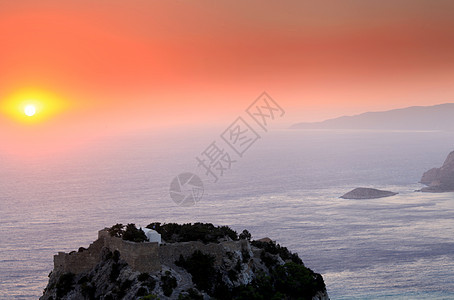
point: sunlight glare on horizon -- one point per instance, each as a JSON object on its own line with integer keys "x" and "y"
{"x": 30, "y": 110}
{"x": 32, "y": 106}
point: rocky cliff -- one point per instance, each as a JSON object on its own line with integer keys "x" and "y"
{"x": 195, "y": 261}
{"x": 440, "y": 179}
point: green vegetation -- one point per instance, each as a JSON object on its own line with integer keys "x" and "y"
{"x": 133, "y": 234}
{"x": 168, "y": 283}
{"x": 147, "y": 281}
{"x": 115, "y": 272}
{"x": 117, "y": 230}
{"x": 288, "y": 281}
{"x": 124, "y": 287}
{"x": 128, "y": 233}
{"x": 141, "y": 292}
{"x": 297, "y": 281}
{"x": 280, "y": 273}
{"x": 259, "y": 289}
{"x": 65, "y": 284}
{"x": 116, "y": 256}
{"x": 87, "y": 288}
{"x": 204, "y": 232}
{"x": 246, "y": 256}
{"x": 277, "y": 249}
{"x": 245, "y": 235}
{"x": 269, "y": 260}
{"x": 201, "y": 267}
{"x": 88, "y": 291}
{"x": 117, "y": 265}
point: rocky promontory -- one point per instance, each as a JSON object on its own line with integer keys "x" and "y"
{"x": 189, "y": 261}
{"x": 440, "y": 179}
{"x": 367, "y": 193}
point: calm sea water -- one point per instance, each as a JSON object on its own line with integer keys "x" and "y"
{"x": 286, "y": 187}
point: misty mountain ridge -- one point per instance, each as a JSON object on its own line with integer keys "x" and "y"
{"x": 415, "y": 118}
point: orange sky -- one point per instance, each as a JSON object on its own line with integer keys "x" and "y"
{"x": 128, "y": 65}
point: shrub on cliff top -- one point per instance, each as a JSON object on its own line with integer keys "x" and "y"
{"x": 204, "y": 232}
{"x": 245, "y": 235}
{"x": 117, "y": 230}
{"x": 133, "y": 234}
{"x": 128, "y": 233}
{"x": 283, "y": 252}
{"x": 201, "y": 267}
{"x": 168, "y": 283}
{"x": 288, "y": 281}
{"x": 297, "y": 281}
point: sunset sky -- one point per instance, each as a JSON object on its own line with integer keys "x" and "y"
{"x": 105, "y": 67}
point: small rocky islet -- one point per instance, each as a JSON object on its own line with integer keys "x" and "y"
{"x": 367, "y": 193}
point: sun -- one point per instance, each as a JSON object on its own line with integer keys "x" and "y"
{"x": 33, "y": 105}
{"x": 30, "y": 110}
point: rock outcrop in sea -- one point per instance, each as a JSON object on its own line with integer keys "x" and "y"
{"x": 367, "y": 193}
{"x": 440, "y": 179}
{"x": 194, "y": 261}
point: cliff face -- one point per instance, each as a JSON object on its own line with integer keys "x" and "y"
{"x": 440, "y": 179}
{"x": 112, "y": 268}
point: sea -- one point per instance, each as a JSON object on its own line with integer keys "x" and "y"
{"x": 285, "y": 186}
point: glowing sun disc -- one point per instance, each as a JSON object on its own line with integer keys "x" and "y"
{"x": 30, "y": 110}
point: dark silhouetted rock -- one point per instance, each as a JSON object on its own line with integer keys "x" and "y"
{"x": 367, "y": 193}
{"x": 430, "y": 176}
{"x": 115, "y": 268}
{"x": 440, "y": 180}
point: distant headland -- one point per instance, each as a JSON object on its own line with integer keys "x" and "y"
{"x": 415, "y": 118}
